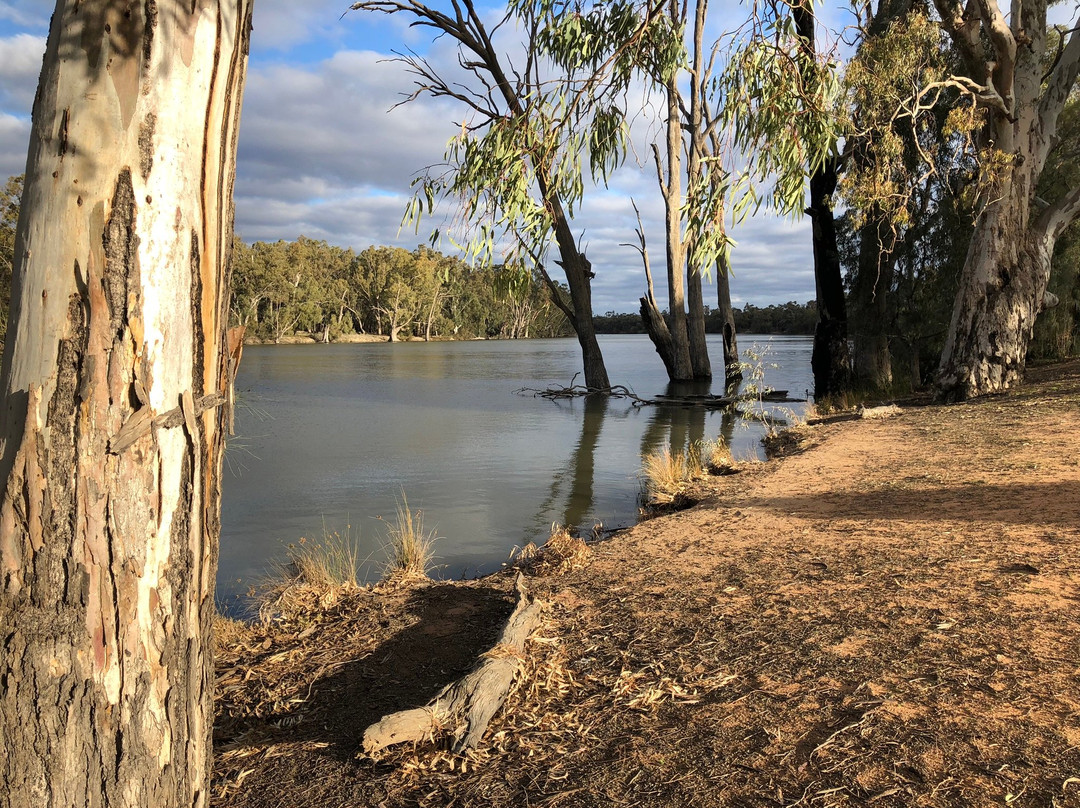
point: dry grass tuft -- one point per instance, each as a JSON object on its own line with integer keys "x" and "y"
{"x": 719, "y": 459}
{"x": 667, "y": 475}
{"x": 561, "y": 553}
{"x": 315, "y": 576}
{"x": 410, "y": 549}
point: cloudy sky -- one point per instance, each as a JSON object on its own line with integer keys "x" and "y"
{"x": 323, "y": 155}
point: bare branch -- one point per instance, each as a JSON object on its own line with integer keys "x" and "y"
{"x": 1059, "y": 215}
{"x": 1058, "y": 87}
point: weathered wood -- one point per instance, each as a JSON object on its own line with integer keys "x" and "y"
{"x": 467, "y": 706}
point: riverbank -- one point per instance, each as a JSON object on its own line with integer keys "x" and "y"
{"x": 886, "y": 617}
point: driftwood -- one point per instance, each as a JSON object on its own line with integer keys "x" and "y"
{"x": 467, "y": 706}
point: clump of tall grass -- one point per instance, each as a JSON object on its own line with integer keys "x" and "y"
{"x": 718, "y": 457}
{"x": 667, "y": 474}
{"x": 410, "y": 547}
{"x": 314, "y": 575}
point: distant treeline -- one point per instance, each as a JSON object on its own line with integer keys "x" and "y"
{"x": 308, "y": 286}
{"x": 283, "y": 288}
{"x": 786, "y": 318}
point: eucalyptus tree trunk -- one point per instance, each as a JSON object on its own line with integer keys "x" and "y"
{"x": 695, "y": 301}
{"x": 579, "y": 275}
{"x": 112, "y": 426}
{"x": 1004, "y": 281}
{"x": 831, "y": 359}
{"x": 873, "y": 285}
{"x": 732, "y": 364}
{"x": 831, "y": 362}
{"x": 682, "y": 369}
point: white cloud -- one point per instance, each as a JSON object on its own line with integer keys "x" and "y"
{"x": 25, "y": 13}
{"x": 20, "y": 65}
{"x": 14, "y": 140}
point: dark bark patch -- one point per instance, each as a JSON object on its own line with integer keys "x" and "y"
{"x": 62, "y": 134}
{"x": 146, "y": 145}
{"x": 151, "y": 21}
{"x": 198, "y": 332}
{"x": 121, "y": 245}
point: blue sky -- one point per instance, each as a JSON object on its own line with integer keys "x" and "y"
{"x": 322, "y": 155}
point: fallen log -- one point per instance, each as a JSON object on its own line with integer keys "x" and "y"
{"x": 466, "y": 707}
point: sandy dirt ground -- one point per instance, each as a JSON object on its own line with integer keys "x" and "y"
{"x": 888, "y": 615}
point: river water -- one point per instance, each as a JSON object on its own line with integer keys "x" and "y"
{"x": 329, "y": 438}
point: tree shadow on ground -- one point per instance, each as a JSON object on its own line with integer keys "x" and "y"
{"x": 444, "y": 629}
{"x": 1055, "y": 503}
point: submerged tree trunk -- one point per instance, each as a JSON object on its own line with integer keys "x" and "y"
{"x": 112, "y": 424}
{"x": 732, "y": 362}
{"x": 579, "y": 275}
{"x": 695, "y": 326}
{"x": 682, "y": 369}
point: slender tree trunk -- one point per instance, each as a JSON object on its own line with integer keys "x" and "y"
{"x": 732, "y": 361}
{"x": 831, "y": 362}
{"x": 695, "y": 326}
{"x": 112, "y": 425}
{"x": 695, "y": 301}
{"x": 676, "y": 250}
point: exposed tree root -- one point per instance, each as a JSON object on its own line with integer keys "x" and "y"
{"x": 467, "y": 706}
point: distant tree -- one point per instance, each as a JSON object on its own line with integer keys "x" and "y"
{"x": 9, "y": 218}
{"x": 111, "y": 430}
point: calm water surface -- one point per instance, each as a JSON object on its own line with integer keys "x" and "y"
{"x": 329, "y": 436}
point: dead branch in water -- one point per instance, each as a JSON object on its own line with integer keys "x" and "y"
{"x": 621, "y": 391}
{"x": 467, "y": 706}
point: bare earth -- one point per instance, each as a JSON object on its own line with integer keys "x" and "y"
{"x": 888, "y": 616}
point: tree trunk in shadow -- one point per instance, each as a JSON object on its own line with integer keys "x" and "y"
{"x": 831, "y": 362}
{"x": 873, "y": 362}
{"x": 732, "y": 363}
{"x": 695, "y": 326}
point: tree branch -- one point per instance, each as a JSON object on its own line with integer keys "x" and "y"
{"x": 962, "y": 25}
{"x": 1004, "y": 43}
{"x": 1059, "y": 215}
{"x": 1058, "y": 87}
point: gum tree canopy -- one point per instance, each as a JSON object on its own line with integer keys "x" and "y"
{"x": 531, "y": 117}
{"x": 113, "y": 375}
{"x": 1021, "y": 78}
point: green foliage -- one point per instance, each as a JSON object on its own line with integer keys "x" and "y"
{"x": 904, "y": 119}
{"x": 1057, "y": 330}
{"x": 307, "y": 286}
{"x": 518, "y": 165}
{"x": 778, "y": 100}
